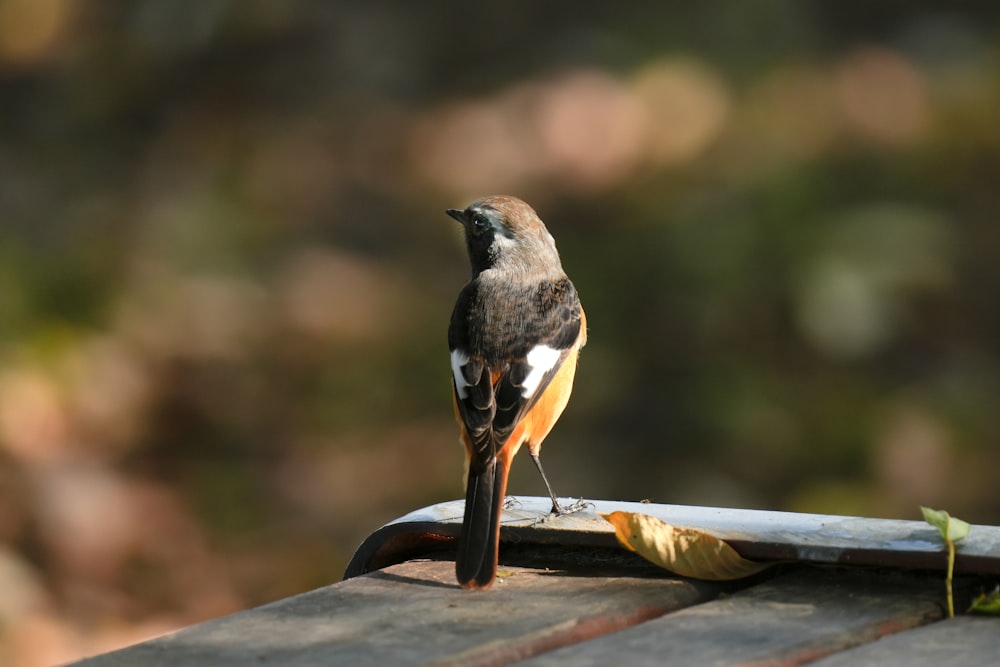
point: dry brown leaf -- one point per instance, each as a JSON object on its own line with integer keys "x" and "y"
{"x": 689, "y": 552}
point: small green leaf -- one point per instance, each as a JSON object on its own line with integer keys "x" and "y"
{"x": 936, "y": 518}
{"x": 987, "y": 603}
{"x": 951, "y": 529}
{"x": 957, "y": 529}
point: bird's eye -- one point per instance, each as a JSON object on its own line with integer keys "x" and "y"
{"x": 480, "y": 223}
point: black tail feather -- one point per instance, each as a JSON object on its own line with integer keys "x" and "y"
{"x": 476, "y": 562}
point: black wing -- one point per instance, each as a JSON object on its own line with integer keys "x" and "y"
{"x": 498, "y": 385}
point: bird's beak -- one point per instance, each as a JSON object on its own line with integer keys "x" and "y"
{"x": 458, "y": 215}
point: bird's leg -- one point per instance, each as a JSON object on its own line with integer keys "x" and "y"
{"x": 538, "y": 464}
{"x": 557, "y": 509}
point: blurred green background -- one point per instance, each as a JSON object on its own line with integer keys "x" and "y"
{"x": 226, "y": 274}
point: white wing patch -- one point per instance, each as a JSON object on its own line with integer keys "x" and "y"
{"x": 459, "y": 359}
{"x": 541, "y": 359}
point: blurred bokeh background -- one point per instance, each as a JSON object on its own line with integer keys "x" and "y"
{"x": 226, "y": 275}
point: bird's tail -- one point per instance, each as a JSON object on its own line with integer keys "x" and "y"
{"x": 478, "y": 544}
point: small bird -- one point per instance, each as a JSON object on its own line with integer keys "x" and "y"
{"x": 514, "y": 337}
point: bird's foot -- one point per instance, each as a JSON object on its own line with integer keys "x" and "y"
{"x": 574, "y": 507}
{"x": 563, "y": 510}
{"x": 510, "y": 502}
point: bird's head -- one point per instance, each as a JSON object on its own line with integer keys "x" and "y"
{"x": 505, "y": 233}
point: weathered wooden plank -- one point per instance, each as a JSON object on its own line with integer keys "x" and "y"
{"x": 755, "y": 534}
{"x": 414, "y": 613}
{"x": 960, "y": 641}
{"x": 789, "y": 620}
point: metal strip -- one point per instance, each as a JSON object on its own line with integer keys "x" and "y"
{"x": 755, "y": 534}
